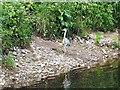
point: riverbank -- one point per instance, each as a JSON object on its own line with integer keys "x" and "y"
{"x": 47, "y": 58}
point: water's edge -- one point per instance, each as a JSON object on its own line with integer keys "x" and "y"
{"x": 110, "y": 66}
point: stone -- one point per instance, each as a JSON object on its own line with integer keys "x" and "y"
{"x": 16, "y": 60}
{"x": 82, "y": 65}
{"x": 23, "y": 51}
{"x": 15, "y": 53}
{"x": 28, "y": 51}
{"x": 103, "y": 50}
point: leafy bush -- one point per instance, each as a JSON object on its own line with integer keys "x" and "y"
{"x": 15, "y": 25}
{"x": 52, "y": 17}
{"x": 116, "y": 13}
{"x": 19, "y": 20}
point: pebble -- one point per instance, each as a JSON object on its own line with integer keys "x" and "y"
{"x": 82, "y": 65}
{"x": 2, "y": 82}
{"x": 15, "y": 53}
{"x": 103, "y": 50}
{"x": 88, "y": 67}
{"x": 23, "y": 51}
{"x": 16, "y": 75}
{"x": 78, "y": 53}
{"x": 28, "y": 51}
{"x": 16, "y": 60}
{"x": 114, "y": 54}
{"x": 106, "y": 56}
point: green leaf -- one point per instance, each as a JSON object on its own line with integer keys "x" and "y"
{"x": 61, "y": 18}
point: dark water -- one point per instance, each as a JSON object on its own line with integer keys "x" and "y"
{"x": 105, "y": 76}
{"x": 97, "y": 78}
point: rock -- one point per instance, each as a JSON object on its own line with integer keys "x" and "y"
{"x": 90, "y": 54}
{"x": 88, "y": 67}
{"x": 103, "y": 50}
{"x": 18, "y": 50}
{"x": 2, "y": 82}
{"x": 87, "y": 42}
{"x": 42, "y": 65}
{"x": 15, "y": 53}
{"x": 38, "y": 56}
{"x": 106, "y": 56}
{"x": 82, "y": 65}
{"x": 114, "y": 54}
{"x": 16, "y": 75}
{"x": 23, "y": 51}
{"x": 28, "y": 51}
{"x": 16, "y": 60}
{"x": 39, "y": 77}
{"x": 14, "y": 48}
{"x": 61, "y": 44}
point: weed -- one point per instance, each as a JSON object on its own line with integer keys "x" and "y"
{"x": 97, "y": 38}
{"x": 8, "y": 61}
{"x": 116, "y": 42}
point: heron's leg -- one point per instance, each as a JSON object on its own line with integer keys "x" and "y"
{"x": 65, "y": 48}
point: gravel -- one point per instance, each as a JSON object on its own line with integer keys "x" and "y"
{"x": 41, "y": 61}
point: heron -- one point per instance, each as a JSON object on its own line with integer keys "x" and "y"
{"x": 65, "y": 41}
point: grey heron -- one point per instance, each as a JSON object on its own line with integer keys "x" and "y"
{"x": 65, "y": 41}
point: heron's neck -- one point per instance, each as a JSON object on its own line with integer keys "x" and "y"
{"x": 65, "y": 33}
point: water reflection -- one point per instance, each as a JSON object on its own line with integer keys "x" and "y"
{"x": 66, "y": 82}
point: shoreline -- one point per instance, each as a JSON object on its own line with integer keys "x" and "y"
{"x": 44, "y": 61}
{"x": 63, "y": 73}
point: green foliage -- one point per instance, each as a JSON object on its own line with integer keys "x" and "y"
{"x": 15, "y": 24}
{"x": 85, "y": 16}
{"x": 83, "y": 33}
{"x": 97, "y": 38}
{"x": 8, "y": 61}
{"x": 116, "y": 13}
{"x": 47, "y": 19}
{"x": 116, "y": 42}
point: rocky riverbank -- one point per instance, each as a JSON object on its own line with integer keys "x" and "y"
{"x": 47, "y": 58}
